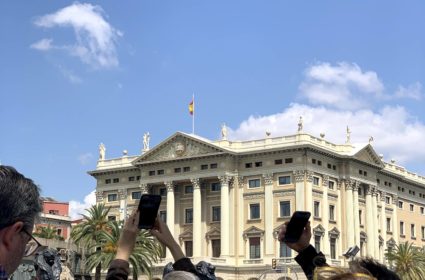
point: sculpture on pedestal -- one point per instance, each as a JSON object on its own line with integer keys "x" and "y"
{"x": 48, "y": 264}
{"x": 102, "y": 151}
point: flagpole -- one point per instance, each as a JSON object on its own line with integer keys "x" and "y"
{"x": 193, "y": 116}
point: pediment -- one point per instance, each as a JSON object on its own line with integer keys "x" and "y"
{"x": 319, "y": 230}
{"x": 367, "y": 154}
{"x": 186, "y": 235}
{"x": 179, "y": 146}
{"x": 253, "y": 231}
{"x": 213, "y": 232}
{"x": 334, "y": 232}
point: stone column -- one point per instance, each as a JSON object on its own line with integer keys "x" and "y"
{"x": 122, "y": 193}
{"x": 299, "y": 190}
{"x": 268, "y": 215}
{"x": 349, "y": 212}
{"x": 340, "y": 184}
{"x": 325, "y": 217}
{"x": 241, "y": 219}
{"x": 309, "y": 191}
{"x": 356, "y": 213}
{"x": 224, "y": 224}
{"x": 144, "y": 188}
{"x": 394, "y": 218}
{"x": 197, "y": 230}
{"x": 383, "y": 226}
{"x": 170, "y": 211}
{"x": 375, "y": 224}
{"x": 370, "y": 243}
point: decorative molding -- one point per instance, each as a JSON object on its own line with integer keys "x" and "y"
{"x": 224, "y": 179}
{"x": 100, "y": 196}
{"x": 339, "y": 184}
{"x": 241, "y": 181}
{"x": 369, "y": 190}
{"x": 395, "y": 199}
{"x": 268, "y": 178}
{"x": 169, "y": 185}
{"x": 284, "y": 193}
{"x": 325, "y": 181}
{"x": 363, "y": 236}
{"x": 122, "y": 193}
{"x": 383, "y": 195}
{"x": 213, "y": 233}
{"x": 299, "y": 176}
{"x": 349, "y": 184}
{"x": 334, "y": 233}
{"x": 253, "y": 232}
{"x": 253, "y": 196}
{"x": 319, "y": 230}
{"x": 309, "y": 176}
{"x": 356, "y": 186}
{"x": 144, "y": 188}
{"x": 195, "y": 183}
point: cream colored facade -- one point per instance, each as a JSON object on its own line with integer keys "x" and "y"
{"x": 355, "y": 198}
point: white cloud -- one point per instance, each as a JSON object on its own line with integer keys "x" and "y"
{"x": 77, "y": 208}
{"x": 396, "y": 133}
{"x": 342, "y": 86}
{"x": 42, "y": 45}
{"x": 413, "y": 91}
{"x": 70, "y": 76}
{"x": 85, "y": 159}
{"x": 95, "y": 37}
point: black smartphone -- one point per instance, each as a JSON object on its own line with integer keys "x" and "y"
{"x": 148, "y": 209}
{"x": 296, "y": 225}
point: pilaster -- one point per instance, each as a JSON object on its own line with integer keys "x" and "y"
{"x": 197, "y": 213}
{"x": 268, "y": 217}
{"x": 299, "y": 176}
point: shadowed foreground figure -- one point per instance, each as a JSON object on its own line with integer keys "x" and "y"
{"x": 48, "y": 264}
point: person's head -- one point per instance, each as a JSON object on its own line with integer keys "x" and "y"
{"x": 19, "y": 206}
{"x": 341, "y": 273}
{"x": 378, "y": 270}
{"x": 180, "y": 275}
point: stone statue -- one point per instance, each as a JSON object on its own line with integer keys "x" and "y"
{"x": 48, "y": 264}
{"x": 224, "y": 132}
{"x": 300, "y": 124}
{"x": 102, "y": 151}
{"x": 348, "y": 135}
{"x": 146, "y": 139}
{"x": 370, "y": 139}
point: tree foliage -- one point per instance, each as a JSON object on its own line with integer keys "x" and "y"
{"x": 408, "y": 261}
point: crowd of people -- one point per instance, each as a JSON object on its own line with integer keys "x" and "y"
{"x": 20, "y": 205}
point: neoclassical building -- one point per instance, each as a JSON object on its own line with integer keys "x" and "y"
{"x": 226, "y": 200}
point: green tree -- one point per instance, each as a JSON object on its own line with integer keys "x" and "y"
{"x": 408, "y": 261}
{"x": 146, "y": 251}
{"x": 88, "y": 232}
{"x": 48, "y": 233}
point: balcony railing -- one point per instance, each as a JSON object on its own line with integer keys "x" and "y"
{"x": 253, "y": 261}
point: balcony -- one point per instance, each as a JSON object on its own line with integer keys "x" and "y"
{"x": 253, "y": 261}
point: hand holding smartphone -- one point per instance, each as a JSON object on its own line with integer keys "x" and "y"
{"x": 296, "y": 225}
{"x": 148, "y": 209}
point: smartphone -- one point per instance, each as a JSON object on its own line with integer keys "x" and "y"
{"x": 148, "y": 209}
{"x": 296, "y": 225}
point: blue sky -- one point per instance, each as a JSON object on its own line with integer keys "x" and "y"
{"x": 74, "y": 74}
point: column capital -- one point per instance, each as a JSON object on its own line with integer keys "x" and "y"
{"x": 240, "y": 181}
{"x": 325, "y": 181}
{"x": 339, "y": 184}
{"x": 395, "y": 199}
{"x": 369, "y": 190}
{"x": 225, "y": 179}
{"x": 122, "y": 193}
{"x": 169, "y": 185}
{"x": 383, "y": 195}
{"x": 299, "y": 175}
{"x": 268, "y": 178}
{"x": 349, "y": 184}
{"x": 144, "y": 187}
{"x": 99, "y": 196}
{"x": 195, "y": 183}
{"x": 309, "y": 176}
{"x": 356, "y": 186}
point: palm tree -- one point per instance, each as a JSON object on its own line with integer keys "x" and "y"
{"x": 408, "y": 261}
{"x": 48, "y": 233}
{"x": 89, "y": 231}
{"x": 146, "y": 251}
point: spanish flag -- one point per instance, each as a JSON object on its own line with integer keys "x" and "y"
{"x": 191, "y": 107}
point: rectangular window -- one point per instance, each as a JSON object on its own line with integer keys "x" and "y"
{"x": 333, "y": 248}
{"x": 388, "y": 224}
{"x": 131, "y": 179}
{"x": 284, "y": 180}
{"x": 288, "y": 160}
{"x": 278, "y": 161}
{"x": 188, "y": 248}
{"x": 254, "y": 211}
{"x": 160, "y": 172}
{"x": 412, "y": 207}
{"x": 400, "y": 204}
{"x": 213, "y": 165}
{"x": 112, "y": 197}
{"x": 254, "y": 183}
{"x": 329, "y": 166}
{"x": 248, "y": 165}
{"x": 188, "y": 216}
{"x": 412, "y": 230}
{"x": 204, "y": 166}
{"x": 285, "y": 251}
{"x": 116, "y": 180}
{"x": 216, "y": 247}
{"x": 138, "y": 178}
{"x": 331, "y": 185}
{"x": 112, "y": 218}
{"x": 387, "y": 200}
{"x": 215, "y": 187}
{"x": 54, "y": 212}
{"x": 316, "y": 209}
{"x": 423, "y": 232}
{"x": 317, "y": 239}
{"x": 332, "y": 212}
{"x": 216, "y": 213}
{"x": 313, "y": 161}
{"x": 188, "y": 189}
{"x": 186, "y": 169}
{"x": 319, "y": 162}
{"x": 315, "y": 181}
{"x": 163, "y": 192}
{"x": 422, "y": 211}
{"x": 334, "y": 167}
{"x": 177, "y": 170}
{"x": 107, "y": 181}
{"x": 254, "y": 248}
{"x": 258, "y": 164}
{"x": 402, "y": 228}
{"x": 360, "y": 217}
{"x": 285, "y": 208}
{"x": 163, "y": 215}
{"x": 136, "y": 195}
{"x": 152, "y": 173}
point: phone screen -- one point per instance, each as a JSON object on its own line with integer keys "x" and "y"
{"x": 296, "y": 225}
{"x": 148, "y": 208}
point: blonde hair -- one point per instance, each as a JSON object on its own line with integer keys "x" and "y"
{"x": 338, "y": 273}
